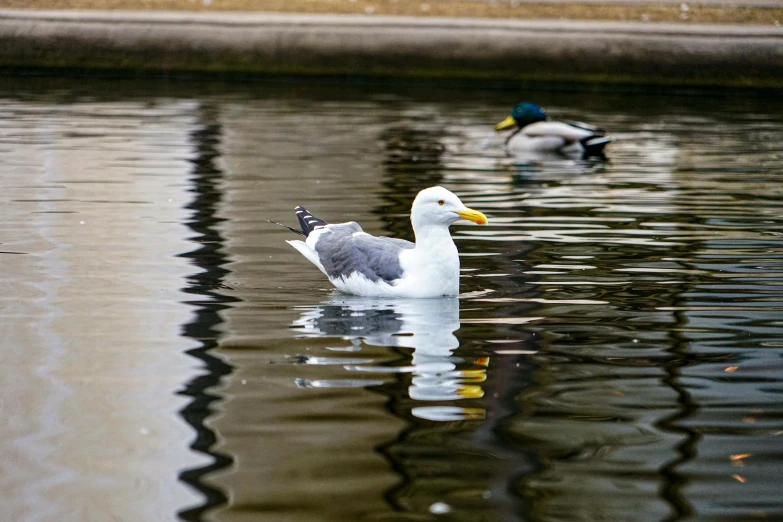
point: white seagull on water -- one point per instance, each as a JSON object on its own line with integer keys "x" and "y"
{"x": 358, "y": 263}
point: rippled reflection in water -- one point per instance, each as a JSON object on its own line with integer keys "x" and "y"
{"x": 615, "y": 354}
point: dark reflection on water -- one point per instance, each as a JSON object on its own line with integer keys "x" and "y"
{"x": 204, "y": 328}
{"x": 615, "y": 354}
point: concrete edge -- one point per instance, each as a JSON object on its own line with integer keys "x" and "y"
{"x": 245, "y": 19}
{"x": 267, "y": 43}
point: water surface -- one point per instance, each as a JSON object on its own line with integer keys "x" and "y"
{"x": 615, "y": 353}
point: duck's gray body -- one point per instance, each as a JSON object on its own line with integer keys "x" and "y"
{"x": 556, "y": 136}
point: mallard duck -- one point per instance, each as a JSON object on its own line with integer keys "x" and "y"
{"x": 357, "y": 263}
{"x": 534, "y": 133}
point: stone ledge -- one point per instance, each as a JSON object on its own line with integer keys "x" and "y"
{"x": 266, "y": 43}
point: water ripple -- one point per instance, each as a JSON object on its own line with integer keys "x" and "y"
{"x": 614, "y": 353}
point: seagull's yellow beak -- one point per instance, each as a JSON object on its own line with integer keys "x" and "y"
{"x": 508, "y": 123}
{"x": 473, "y": 215}
{"x": 471, "y": 391}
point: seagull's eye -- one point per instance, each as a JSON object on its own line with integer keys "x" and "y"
{"x": 441, "y": 202}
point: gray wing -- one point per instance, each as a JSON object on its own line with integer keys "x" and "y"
{"x": 345, "y": 249}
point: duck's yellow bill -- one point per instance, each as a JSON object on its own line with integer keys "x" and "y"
{"x": 508, "y": 123}
{"x": 474, "y": 216}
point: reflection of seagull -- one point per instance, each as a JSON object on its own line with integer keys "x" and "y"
{"x": 535, "y": 134}
{"x": 426, "y": 325}
{"x": 358, "y": 263}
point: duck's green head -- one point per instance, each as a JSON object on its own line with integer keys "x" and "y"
{"x": 523, "y": 114}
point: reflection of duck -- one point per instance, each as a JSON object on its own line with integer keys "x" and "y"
{"x": 534, "y": 134}
{"x": 426, "y": 325}
{"x": 551, "y": 167}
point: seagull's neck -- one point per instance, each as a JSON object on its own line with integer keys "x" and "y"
{"x": 434, "y": 237}
{"x": 433, "y": 265}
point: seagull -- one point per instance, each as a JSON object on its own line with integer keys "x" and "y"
{"x": 361, "y": 264}
{"x": 534, "y": 133}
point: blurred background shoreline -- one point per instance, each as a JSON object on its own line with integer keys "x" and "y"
{"x": 595, "y": 42}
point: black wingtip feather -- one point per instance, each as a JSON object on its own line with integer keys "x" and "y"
{"x": 307, "y": 221}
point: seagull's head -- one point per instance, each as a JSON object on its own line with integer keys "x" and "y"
{"x": 438, "y": 206}
{"x": 521, "y": 115}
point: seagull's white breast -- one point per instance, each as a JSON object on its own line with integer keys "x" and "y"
{"x": 431, "y": 272}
